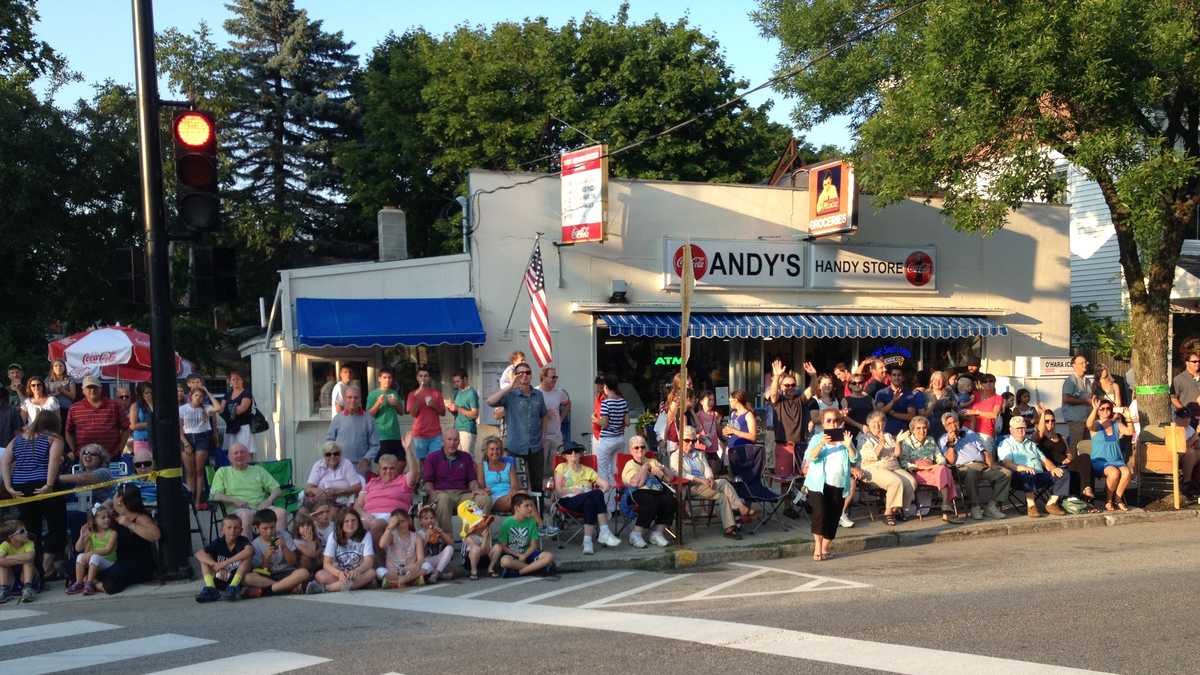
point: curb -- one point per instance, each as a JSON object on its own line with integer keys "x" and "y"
{"x": 674, "y": 559}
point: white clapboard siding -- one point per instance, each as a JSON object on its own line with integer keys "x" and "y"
{"x": 1096, "y": 275}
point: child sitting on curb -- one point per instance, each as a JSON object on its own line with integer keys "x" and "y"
{"x": 225, "y": 561}
{"x": 99, "y": 548}
{"x": 16, "y": 550}
{"x": 439, "y": 546}
{"x": 476, "y": 536}
{"x": 405, "y": 553}
{"x": 274, "y": 561}
{"x": 518, "y": 546}
{"x": 349, "y": 557}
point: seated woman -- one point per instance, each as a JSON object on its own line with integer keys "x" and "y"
{"x": 919, "y": 454}
{"x": 392, "y": 489}
{"x": 1107, "y": 460}
{"x": 881, "y": 466}
{"x": 497, "y": 474}
{"x": 136, "y": 536}
{"x": 580, "y": 489}
{"x": 1054, "y": 446}
{"x": 333, "y": 476}
{"x": 655, "y": 504}
{"x": 349, "y": 557}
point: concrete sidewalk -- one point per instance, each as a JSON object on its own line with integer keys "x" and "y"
{"x": 710, "y": 547}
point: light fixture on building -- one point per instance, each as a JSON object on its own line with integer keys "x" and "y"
{"x": 619, "y": 291}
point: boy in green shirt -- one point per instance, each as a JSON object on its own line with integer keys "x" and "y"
{"x": 386, "y": 406}
{"x": 518, "y": 545}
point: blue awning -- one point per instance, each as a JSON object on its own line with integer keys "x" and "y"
{"x": 387, "y": 322}
{"x": 804, "y": 325}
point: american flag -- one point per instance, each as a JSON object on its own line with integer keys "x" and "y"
{"x": 539, "y": 318}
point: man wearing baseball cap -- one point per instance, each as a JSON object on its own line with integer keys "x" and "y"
{"x": 98, "y": 420}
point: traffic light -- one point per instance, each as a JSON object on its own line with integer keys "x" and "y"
{"x": 128, "y": 266}
{"x": 196, "y": 196}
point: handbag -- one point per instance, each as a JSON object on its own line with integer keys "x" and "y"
{"x": 258, "y": 423}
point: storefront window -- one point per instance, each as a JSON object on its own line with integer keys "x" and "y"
{"x": 442, "y": 361}
{"x": 645, "y": 366}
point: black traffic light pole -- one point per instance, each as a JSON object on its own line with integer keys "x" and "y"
{"x": 176, "y": 542}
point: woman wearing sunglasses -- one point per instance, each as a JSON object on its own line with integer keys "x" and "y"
{"x": 1107, "y": 459}
{"x": 37, "y": 399}
{"x": 332, "y": 477}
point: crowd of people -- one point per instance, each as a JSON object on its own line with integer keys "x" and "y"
{"x": 378, "y": 504}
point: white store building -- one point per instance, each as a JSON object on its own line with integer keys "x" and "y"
{"x": 905, "y": 285}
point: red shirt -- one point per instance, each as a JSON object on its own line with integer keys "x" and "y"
{"x": 102, "y": 424}
{"x": 983, "y": 425}
{"x": 596, "y": 413}
{"x": 425, "y": 417}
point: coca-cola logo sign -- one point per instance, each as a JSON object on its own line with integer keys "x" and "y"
{"x": 97, "y": 359}
{"x": 699, "y": 262}
{"x": 918, "y": 268}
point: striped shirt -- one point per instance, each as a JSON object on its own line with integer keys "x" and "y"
{"x": 101, "y": 424}
{"x": 31, "y": 457}
{"x": 615, "y": 409}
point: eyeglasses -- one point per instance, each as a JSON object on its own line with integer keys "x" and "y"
{"x": 333, "y": 454}
{"x": 637, "y": 447}
{"x": 689, "y": 440}
{"x": 21, "y": 531}
{"x": 124, "y": 397}
{"x": 552, "y": 377}
{"x": 856, "y": 381}
{"x": 524, "y": 372}
{"x": 1193, "y": 360}
{"x": 139, "y": 465}
{"x": 1047, "y": 419}
{"x": 35, "y": 384}
{"x": 789, "y": 385}
{"x": 91, "y": 453}
{"x": 387, "y": 468}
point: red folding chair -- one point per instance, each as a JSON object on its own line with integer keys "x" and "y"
{"x": 564, "y": 517}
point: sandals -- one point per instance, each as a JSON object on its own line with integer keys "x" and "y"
{"x": 890, "y": 519}
{"x": 493, "y": 573}
{"x": 732, "y": 533}
{"x": 1121, "y": 504}
{"x": 474, "y": 576}
{"x": 1108, "y": 506}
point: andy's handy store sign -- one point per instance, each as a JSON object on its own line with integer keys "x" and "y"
{"x": 726, "y": 263}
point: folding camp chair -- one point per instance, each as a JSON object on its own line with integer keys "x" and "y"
{"x": 746, "y": 465}
{"x": 288, "y": 499}
{"x": 567, "y": 518}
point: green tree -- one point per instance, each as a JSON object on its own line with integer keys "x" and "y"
{"x": 515, "y": 95}
{"x": 968, "y": 98}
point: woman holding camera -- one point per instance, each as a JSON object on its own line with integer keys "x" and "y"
{"x": 828, "y": 479}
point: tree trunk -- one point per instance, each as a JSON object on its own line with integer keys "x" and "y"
{"x": 1149, "y": 322}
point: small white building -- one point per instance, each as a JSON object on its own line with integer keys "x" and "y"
{"x": 906, "y": 285}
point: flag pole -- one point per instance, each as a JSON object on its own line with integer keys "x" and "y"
{"x": 685, "y": 319}
{"x": 517, "y": 296}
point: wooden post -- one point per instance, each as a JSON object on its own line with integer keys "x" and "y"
{"x": 685, "y": 317}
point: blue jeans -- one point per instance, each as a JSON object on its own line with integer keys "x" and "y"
{"x": 423, "y": 446}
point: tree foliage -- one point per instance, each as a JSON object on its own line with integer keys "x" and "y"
{"x": 515, "y": 95}
{"x": 968, "y": 97}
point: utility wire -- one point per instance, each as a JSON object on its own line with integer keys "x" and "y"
{"x": 701, "y": 115}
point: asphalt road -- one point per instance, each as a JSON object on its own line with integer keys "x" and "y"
{"x": 1114, "y": 599}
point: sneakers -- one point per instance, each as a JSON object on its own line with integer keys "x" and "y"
{"x": 636, "y": 540}
{"x": 845, "y": 521}
{"x": 1055, "y": 509}
{"x": 976, "y": 513}
{"x": 27, "y": 594}
{"x": 6, "y": 594}
{"x": 313, "y": 588}
{"x": 89, "y": 588}
{"x": 251, "y": 593}
{"x": 657, "y": 539}
{"x": 588, "y": 548}
{"x": 233, "y": 593}
{"x": 208, "y": 594}
{"x": 994, "y": 511}
{"x": 608, "y": 538}
{"x": 549, "y": 530}
{"x": 75, "y": 588}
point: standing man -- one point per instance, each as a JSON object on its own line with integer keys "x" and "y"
{"x": 985, "y": 411}
{"x": 525, "y": 412}
{"x": 841, "y": 376}
{"x": 16, "y": 377}
{"x": 385, "y": 408}
{"x": 465, "y": 407}
{"x": 898, "y": 403}
{"x": 337, "y": 397}
{"x": 506, "y": 380}
{"x": 98, "y": 420}
{"x": 1077, "y": 401}
{"x": 558, "y": 405}
{"x": 878, "y": 370}
{"x": 354, "y": 431}
{"x": 1185, "y": 387}
{"x": 426, "y": 406}
{"x": 784, "y": 396}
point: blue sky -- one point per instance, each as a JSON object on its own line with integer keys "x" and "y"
{"x": 96, "y": 35}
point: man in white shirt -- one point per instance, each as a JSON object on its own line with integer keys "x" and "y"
{"x": 338, "y": 397}
{"x": 558, "y": 405}
{"x": 702, "y": 485}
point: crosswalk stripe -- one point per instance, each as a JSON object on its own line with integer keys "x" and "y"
{"x": 11, "y": 614}
{"x": 633, "y": 591}
{"x": 84, "y": 657}
{"x": 571, "y": 589}
{"x": 500, "y": 587}
{"x": 51, "y": 631}
{"x": 266, "y": 662}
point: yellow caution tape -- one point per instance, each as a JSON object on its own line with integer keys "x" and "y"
{"x": 161, "y": 473}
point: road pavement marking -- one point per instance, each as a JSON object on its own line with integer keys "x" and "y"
{"x": 570, "y": 589}
{"x": 728, "y": 634}
{"x": 726, "y": 584}
{"x": 51, "y": 631}
{"x": 10, "y": 614}
{"x": 816, "y": 579}
{"x": 633, "y": 591}
{"x": 499, "y": 587}
{"x": 266, "y": 662}
{"x": 101, "y": 654}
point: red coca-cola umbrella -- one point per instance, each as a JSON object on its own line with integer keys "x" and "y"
{"x": 114, "y": 352}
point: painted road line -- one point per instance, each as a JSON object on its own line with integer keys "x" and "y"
{"x": 51, "y": 631}
{"x": 572, "y": 589}
{"x": 12, "y": 614}
{"x": 815, "y": 580}
{"x": 266, "y": 662}
{"x": 725, "y": 584}
{"x": 602, "y": 602}
{"x": 727, "y": 634}
{"x": 85, "y": 657}
{"x": 499, "y": 587}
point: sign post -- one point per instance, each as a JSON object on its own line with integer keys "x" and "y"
{"x": 685, "y": 319}
{"x": 584, "y": 194}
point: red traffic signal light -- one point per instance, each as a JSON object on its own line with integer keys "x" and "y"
{"x": 196, "y": 196}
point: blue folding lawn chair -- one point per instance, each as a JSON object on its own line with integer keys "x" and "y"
{"x": 746, "y": 463}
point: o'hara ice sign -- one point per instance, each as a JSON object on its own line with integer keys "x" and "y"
{"x": 723, "y": 263}
{"x": 911, "y": 268}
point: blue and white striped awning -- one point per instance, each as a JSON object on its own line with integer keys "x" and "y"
{"x": 803, "y": 325}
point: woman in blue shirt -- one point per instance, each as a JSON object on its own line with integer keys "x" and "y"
{"x": 828, "y": 479}
{"x": 496, "y": 474}
{"x": 1107, "y": 459}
